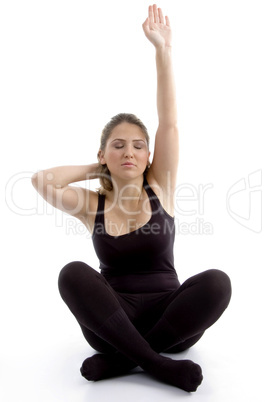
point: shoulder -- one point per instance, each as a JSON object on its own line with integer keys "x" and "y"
{"x": 88, "y": 218}
{"x": 164, "y": 194}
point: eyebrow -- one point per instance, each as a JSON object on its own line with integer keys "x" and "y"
{"x": 121, "y": 139}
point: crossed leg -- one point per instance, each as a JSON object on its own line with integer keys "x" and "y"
{"x": 195, "y": 306}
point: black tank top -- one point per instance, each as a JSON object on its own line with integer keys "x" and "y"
{"x": 142, "y": 260}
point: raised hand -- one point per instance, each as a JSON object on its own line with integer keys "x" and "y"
{"x": 155, "y": 28}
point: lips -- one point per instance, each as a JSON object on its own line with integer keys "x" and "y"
{"x": 128, "y": 164}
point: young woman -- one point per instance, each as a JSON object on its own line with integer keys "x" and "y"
{"x": 135, "y": 308}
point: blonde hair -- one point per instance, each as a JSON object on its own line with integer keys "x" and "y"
{"x": 103, "y": 171}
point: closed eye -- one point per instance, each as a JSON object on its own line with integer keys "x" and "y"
{"x": 121, "y": 146}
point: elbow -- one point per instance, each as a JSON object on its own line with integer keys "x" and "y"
{"x": 169, "y": 124}
{"x": 42, "y": 181}
{"x": 34, "y": 180}
{"x": 38, "y": 183}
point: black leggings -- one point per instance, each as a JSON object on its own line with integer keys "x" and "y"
{"x": 170, "y": 321}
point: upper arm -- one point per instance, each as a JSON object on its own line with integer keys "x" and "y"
{"x": 166, "y": 155}
{"x": 75, "y": 201}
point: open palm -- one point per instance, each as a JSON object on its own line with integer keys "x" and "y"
{"x": 155, "y": 28}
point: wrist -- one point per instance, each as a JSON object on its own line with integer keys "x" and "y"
{"x": 163, "y": 48}
{"x": 163, "y": 57}
{"x": 163, "y": 52}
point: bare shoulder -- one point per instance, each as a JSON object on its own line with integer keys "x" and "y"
{"x": 164, "y": 194}
{"x": 88, "y": 218}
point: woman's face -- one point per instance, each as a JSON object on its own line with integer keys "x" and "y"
{"x": 126, "y": 153}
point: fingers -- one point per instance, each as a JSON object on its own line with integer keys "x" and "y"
{"x": 150, "y": 14}
{"x": 167, "y": 21}
{"x": 155, "y": 12}
{"x": 146, "y": 25}
{"x": 156, "y": 15}
{"x": 161, "y": 16}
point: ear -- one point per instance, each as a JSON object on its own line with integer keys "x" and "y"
{"x": 148, "y": 161}
{"x": 101, "y": 157}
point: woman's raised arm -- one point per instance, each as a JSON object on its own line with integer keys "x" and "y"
{"x": 165, "y": 162}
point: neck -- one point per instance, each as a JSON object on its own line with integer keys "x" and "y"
{"x": 127, "y": 193}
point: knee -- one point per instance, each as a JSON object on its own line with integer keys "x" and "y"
{"x": 70, "y": 275}
{"x": 218, "y": 286}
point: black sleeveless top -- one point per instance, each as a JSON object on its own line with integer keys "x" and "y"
{"x": 140, "y": 261}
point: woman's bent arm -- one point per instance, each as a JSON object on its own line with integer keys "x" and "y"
{"x": 53, "y": 185}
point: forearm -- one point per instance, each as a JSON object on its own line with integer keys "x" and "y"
{"x": 61, "y": 176}
{"x": 166, "y": 91}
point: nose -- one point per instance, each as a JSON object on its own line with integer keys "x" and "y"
{"x": 128, "y": 152}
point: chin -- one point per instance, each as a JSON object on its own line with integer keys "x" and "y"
{"x": 126, "y": 175}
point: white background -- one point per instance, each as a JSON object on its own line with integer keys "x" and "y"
{"x": 66, "y": 68}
